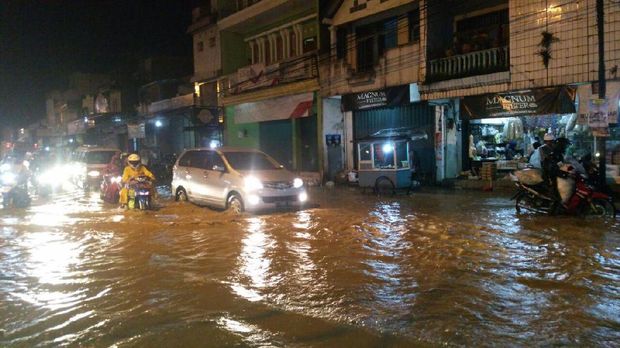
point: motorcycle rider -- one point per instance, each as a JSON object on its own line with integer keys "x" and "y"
{"x": 551, "y": 162}
{"x": 543, "y": 151}
{"x": 133, "y": 170}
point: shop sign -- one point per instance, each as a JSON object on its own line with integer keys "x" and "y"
{"x": 392, "y": 96}
{"x": 542, "y": 101}
{"x": 136, "y": 131}
{"x": 598, "y": 111}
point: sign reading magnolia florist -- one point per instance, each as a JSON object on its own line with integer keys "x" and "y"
{"x": 392, "y": 96}
{"x": 541, "y": 101}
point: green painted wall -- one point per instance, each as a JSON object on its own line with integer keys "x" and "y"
{"x": 251, "y": 130}
{"x": 234, "y": 52}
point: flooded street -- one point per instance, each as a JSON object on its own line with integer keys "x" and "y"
{"x": 433, "y": 268}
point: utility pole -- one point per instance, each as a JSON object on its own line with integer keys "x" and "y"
{"x": 602, "y": 85}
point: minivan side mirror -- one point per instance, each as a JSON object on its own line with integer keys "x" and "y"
{"x": 217, "y": 168}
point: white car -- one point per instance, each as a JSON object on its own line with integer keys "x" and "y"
{"x": 234, "y": 178}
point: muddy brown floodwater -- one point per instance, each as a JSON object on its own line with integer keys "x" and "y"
{"x": 433, "y": 268}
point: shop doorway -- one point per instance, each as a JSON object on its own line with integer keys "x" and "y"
{"x": 276, "y": 139}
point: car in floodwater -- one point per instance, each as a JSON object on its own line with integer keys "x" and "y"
{"x": 89, "y": 163}
{"x": 235, "y": 178}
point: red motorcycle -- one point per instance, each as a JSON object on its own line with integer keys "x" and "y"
{"x": 534, "y": 195}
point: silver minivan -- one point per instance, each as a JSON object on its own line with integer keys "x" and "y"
{"x": 236, "y": 179}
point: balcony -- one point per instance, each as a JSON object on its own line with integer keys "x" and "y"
{"x": 247, "y": 16}
{"x": 259, "y": 76}
{"x": 470, "y": 64}
{"x": 179, "y": 102}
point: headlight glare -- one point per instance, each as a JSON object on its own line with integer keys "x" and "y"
{"x": 297, "y": 183}
{"x": 8, "y": 178}
{"x": 94, "y": 173}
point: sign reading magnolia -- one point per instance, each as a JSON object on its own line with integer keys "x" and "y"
{"x": 391, "y": 96}
{"x": 542, "y": 101}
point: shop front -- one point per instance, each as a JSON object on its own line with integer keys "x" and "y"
{"x": 505, "y": 128}
{"x": 390, "y": 111}
{"x": 285, "y": 127}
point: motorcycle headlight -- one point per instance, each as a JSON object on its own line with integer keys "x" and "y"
{"x": 9, "y": 178}
{"x": 116, "y": 179}
{"x": 94, "y": 173}
{"x": 252, "y": 184}
{"x": 297, "y": 183}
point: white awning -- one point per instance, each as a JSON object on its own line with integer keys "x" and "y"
{"x": 280, "y": 108}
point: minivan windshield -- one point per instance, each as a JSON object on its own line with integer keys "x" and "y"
{"x": 99, "y": 157}
{"x": 250, "y": 161}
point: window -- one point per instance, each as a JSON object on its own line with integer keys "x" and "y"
{"x": 384, "y": 155}
{"x": 212, "y": 41}
{"x": 309, "y": 44}
{"x": 250, "y": 161}
{"x": 402, "y": 155}
{"x": 414, "y": 25}
{"x": 341, "y": 43}
{"x": 214, "y": 159}
{"x": 373, "y": 40}
{"x": 200, "y": 46}
{"x": 388, "y": 35}
{"x": 365, "y": 154}
{"x": 193, "y": 159}
{"x": 99, "y": 157}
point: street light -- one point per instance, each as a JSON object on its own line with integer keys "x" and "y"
{"x": 158, "y": 124}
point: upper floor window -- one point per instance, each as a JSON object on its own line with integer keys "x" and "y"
{"x": 372, "y": 40}
{"x": 413, "y": 19}
{"x": 200, "y": 46}
{"x": 481, "y": 32}
{"x": 212, "y": 41}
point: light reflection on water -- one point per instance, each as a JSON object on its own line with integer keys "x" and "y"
{"x": 437, "y": 269}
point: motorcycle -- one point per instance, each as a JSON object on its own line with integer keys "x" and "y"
{"x": 139, "y": 193}
{"x": 14, "y": 191}
{"x": 110, "y": 188}
{"x": 577, "y": 196}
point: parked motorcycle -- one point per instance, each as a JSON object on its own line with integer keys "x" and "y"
{"x": 577, "y": 196}
{"x": 139, "y": 193}
{"x": 110, "y": 188}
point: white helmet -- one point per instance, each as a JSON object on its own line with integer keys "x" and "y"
{"x": 549, "y": 137}
{"x": 133, "y": 160}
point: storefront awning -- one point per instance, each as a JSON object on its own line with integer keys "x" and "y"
{"x": 532, "y": 102}
{"x": 280, "y": 108}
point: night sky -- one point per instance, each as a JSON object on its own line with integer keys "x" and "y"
{"x": 41, "y": 42}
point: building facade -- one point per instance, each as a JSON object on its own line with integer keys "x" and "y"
{"x": 485, "y": 79}
{"x": 269, "y": 87}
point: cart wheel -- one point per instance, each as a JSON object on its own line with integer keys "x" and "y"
{"x": 384, "y": 186}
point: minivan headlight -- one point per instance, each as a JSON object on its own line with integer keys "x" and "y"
{"x": 252, "y": 183}
{"x": 297, "y": 183}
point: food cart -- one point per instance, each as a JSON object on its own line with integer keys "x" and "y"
{"x": 383, "y": 161}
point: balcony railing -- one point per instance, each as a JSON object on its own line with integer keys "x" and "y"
{"x": 171, "y": 104}
{"x": 469, "y": 64}
{"x": 259, "y": 76}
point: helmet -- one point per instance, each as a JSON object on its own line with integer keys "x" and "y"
{"x": 549, "y": 137}
{"x": 133, "y": 160}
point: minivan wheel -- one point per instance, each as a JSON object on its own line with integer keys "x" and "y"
{"x": 235, "y": 204}
{"x": 181, "y": 195}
